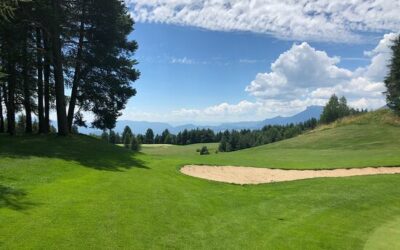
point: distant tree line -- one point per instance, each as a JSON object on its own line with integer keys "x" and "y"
{"x": 237, "y": 140}
{"x": 127, "y": 138}
{"x": 20, "y": 126}
{"x": 233, "y": 140}
{"x": 184, "y": 137}
{"x": 47, "y": 46}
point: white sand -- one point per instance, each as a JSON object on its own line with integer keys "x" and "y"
{"x": 249, "y": 175}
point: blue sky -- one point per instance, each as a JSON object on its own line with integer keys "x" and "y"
{"x": 201, "y": 71}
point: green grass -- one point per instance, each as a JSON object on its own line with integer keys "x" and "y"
{"x": 81, "y": 193}
{"x": 362, "y": 141}
{"x": 385, "y": 237}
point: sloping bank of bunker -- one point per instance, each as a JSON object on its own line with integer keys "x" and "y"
{"x": 250, "y": 175}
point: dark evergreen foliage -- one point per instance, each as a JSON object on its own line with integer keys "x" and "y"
{"x": 127, "y": 141}
{"x": 237, "y": 140}
{"x": 127, "y": 136}
{"x": 337, "y": 108}
{"x": 135, "y": 145}
{"x": 204, "y": 151}
{"x": 392, "y": 80}
{"x": 47, "y": 46}
{"x": 149, "y": 137}
{"x": 112, "y": 138}
{"x": 104, "y": 136}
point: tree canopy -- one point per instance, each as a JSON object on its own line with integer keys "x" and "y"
{"x": 48, "y": 46}
{"x": 337, "y": 108}
{"x": 392, "y": 80}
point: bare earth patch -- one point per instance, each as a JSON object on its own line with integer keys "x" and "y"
{"x": 249, "y": 175}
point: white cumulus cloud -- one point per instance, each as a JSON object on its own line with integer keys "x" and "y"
{"x": 305, "y": 20}
{"x": 295, "y": 71}
{"x": 380, "y": 57}
{"x": 299, "y": 77}
{"x": 304, "y": 73}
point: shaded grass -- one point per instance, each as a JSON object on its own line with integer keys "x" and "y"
{"x": 89, "y": 152}
{"x": 13, "y": 198}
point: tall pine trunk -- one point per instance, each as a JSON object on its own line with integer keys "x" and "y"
{"x": 46, "y": 74}
{"x": 77, "y": 73}
{"x": 5, "y": 100}
{"x": 58, "y": 72}
{"x": 26, "y": 87}
{"x": 10, "y": 104}
{"x": 39, "y": 65}
{"x": 1, "y": 111}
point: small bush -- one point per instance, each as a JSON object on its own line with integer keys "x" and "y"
{"x": 135, "y": 146}
{"x": 204, "y": 151}
{"x": 127, "y": 141}
{"x": 198, "y": 150}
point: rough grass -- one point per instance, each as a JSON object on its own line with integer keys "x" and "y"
{"x": 81, "y": 193}
{"x": 383, "y": 116}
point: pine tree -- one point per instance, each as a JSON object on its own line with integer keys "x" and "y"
{"x": 39, "y": 65}
{"x": 108, "y": 69}
{"x": 104, "y": 136}
{"x": 82, "y": 45}
{"x": 118, "y": 139}
{"x": 344, "y": 110}
{"x": 127, "y": 141}
{"x": 26, "y": 80}
{"x": 165, "y": 137}
{"x": 127, "y": 133}
{"x": 157, "y": 139}
{"x": 335, "y": 109}
{"x": 392, "y": 80}
{"x": 7, "y": 9}
{"x": 149, "y": 137}
{"x": 222, "y": 144}
{"x": 1, "y": 111}
{"x": 331, "y": 110}
{"x": 140, "y": 138}
{"x": 112, "y": 137}
{"x": 135, "y": 146}
{"x": 57, "y": 59}
{"x": 21, "y": 124}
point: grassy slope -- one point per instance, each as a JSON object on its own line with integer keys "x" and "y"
{"x": 369, "y": 140}
{"x": 81, "y": 193}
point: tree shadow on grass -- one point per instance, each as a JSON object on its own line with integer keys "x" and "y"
{"x": 85, "y": 150}
{"x": 13, "y": 198}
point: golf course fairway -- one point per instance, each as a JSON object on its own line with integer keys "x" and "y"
{"x": 82, "y": 193}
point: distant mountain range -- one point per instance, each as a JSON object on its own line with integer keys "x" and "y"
{"x": 140, "y": 127}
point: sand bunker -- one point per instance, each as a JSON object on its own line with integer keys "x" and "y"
{"x": 249, "y": 175}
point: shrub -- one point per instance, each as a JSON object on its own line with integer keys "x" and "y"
{"x": 204, "y": 151}
{"x": 127, "y": 141}
{"x": 135, "y": 146}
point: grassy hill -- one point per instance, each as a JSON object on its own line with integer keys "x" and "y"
{"x": 81, "y": 193}
{"x": 371, "y": 139}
